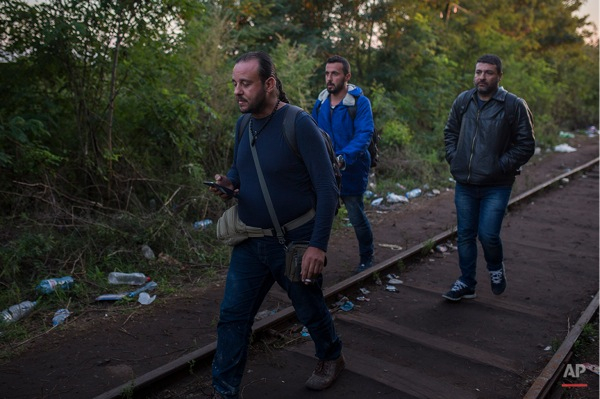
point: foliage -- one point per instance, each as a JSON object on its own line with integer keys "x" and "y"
{"x": 88, "y": 248}
{"x": 295, "y": 65}
{"x": 113, "y": 113}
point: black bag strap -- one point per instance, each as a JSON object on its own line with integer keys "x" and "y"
{"x": 266, "y": 195}
{"x": 510, "y": 108}
{"x": 280, "y": 232}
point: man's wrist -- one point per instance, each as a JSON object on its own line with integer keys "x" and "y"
{"x": 341, "y": 162}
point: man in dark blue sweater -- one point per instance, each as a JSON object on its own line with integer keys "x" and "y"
{"x": 296, "y": 184}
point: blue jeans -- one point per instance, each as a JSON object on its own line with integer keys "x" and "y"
{"x": 479, "y": 213}
{"x": 362, "y": 227}
{"x": 255, "y": 265}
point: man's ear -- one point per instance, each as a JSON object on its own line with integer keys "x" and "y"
{"x": 270, "y": 84}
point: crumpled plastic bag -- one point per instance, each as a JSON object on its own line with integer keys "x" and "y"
{"x": 145, "y": 298}
{"x": 564, "y": 148}
{"x": 393, "y": 198}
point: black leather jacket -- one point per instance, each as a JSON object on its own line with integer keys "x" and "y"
{"x": 483, "y": 147}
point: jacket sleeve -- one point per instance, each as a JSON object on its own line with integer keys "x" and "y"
{"x": 522, "y": 146}
{"x": 452, "y": 131}
{"x": 363, "y": 131}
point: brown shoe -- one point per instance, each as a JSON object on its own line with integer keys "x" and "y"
{"x": 325, "y": 373}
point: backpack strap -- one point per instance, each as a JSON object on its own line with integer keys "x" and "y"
{"x": 464, "y": 102}
{"x": 510, "y": 108}
{"x": 352, "y": 111}
{"x": 350, "y": 102}
{"x": 289, "y": 127}
{"x": 289, "y": 131}
{"x": 510, "y": 105}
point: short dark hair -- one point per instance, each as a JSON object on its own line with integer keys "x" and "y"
{"x": 493, "y": 60}
{"x": 266, "y": 69}
{"x": 342, "y": 60}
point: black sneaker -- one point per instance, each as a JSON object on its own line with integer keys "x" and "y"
{"x": 459, "y": 291}
{"x": 364, "y": 266}
{"x": 498, "y": 281}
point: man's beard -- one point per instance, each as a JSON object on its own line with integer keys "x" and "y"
{"x": 257, "y": 105}
{"x": 335, "y": 89}
{"x": 487, "y": 89}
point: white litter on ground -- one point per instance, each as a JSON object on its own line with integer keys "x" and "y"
{"x": 564, "y": 148}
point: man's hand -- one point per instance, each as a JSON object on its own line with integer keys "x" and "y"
{"x": 313, "y": 263}
{"x": 224, "y": 181}
{"x": 341, "y": 162}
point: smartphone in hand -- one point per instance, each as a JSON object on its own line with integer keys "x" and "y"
{"x": 222, "y": 189}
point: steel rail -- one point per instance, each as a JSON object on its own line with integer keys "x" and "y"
{"x": 201, "y": 354}
{"x": 545, "y": 381}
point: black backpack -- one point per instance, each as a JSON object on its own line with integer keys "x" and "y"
{"x": 373, "y": 149}
{"x": 289, "y": 132}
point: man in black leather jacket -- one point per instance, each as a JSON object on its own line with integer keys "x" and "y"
{"x": 488, "y": 137}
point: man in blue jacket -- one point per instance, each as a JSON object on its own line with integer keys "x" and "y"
{"x": 488, "y": 137}
{"x": 343, "y": 111}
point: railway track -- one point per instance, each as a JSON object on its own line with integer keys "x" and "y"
{"x": 412, "y": 343}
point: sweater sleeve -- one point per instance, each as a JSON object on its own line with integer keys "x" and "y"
{"x": 313, "y": 152}
{"x": 233, "y": 174}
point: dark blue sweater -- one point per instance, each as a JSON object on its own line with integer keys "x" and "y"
{"x": 295, "y": 184}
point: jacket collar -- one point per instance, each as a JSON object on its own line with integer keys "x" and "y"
{"x": 349, "y": 100}
{"x": 500, "y": 94}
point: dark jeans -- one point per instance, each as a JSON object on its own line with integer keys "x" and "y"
{"x": 255, "y": 265}
{"x": 362, "y": 227}
{"x": 479, "y": 212}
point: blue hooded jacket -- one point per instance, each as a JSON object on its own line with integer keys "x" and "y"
{"x": 350, "y": 138}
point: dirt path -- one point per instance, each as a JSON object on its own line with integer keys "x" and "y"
{"x": 105, "y": 347}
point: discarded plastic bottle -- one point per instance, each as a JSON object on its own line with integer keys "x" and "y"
{"x": 117, "y": 297}
{"x": 393, "y": 198}
{"x": 60, "y": 316}
{"x": 148, "y": 252}
{"x": 202, "y": 224}
{"x": 127, "y": 278}
{"x": 52, "y": 284}
{"x": 413, "y": 193}
{"x": 377, "y": 201}
{"x": 147, "y": 287}
{"x": 17, "y": 312}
